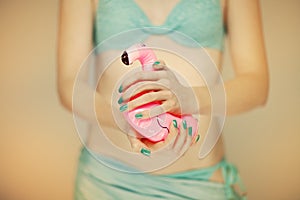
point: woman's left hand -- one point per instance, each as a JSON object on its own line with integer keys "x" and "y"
{"x": 162, "y": 86}
{"x": 175, "y": 145}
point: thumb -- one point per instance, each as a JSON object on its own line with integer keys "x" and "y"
{"x": 173, "y": 132}
{"x": 138, "y": 146}
{"x": 159, "y": 65}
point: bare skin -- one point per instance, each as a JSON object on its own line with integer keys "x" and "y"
{"x": 246, "y": 91}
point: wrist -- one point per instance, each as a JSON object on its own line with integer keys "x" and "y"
{"x": 204, "y": 100}
{"x": 188, "y": 101}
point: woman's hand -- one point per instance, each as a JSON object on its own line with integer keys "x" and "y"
{"x": 176, "y": 144}
{"x": 162, "y": 86}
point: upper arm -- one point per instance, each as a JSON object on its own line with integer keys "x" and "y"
{"x": 246, "y": 38}
{"x": 74, "y": 37}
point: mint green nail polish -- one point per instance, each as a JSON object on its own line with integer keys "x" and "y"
{"x": 184, "y": 124}
{"x": 120, "y": 88}
{"x": 190, "y": 131}
{"x": 145, "y": 152}
{"x": 198, "y": 137}
{"x": 175, "y": 123}
{"x": 120, "y": 100}
{"x": 138, "y": 115}
{"x": 157, "y": 63}
{"x": 123, "y": 108}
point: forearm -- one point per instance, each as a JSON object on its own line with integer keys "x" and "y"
{"x": 75, "y": 42}
{"x": 243, "y": 93}
{"x": 85, "y": 102}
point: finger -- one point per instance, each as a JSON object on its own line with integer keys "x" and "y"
{"x": 160, "y": 65}
{"x": 189, "y": 138}
{"x": 142, "y": 76}
{"x": 135, "y": 143}
{"x": 152, "y": 112}
{"x": 170, "y": 140}
{"x": 148, "y": 98}
{"x": 196, "y": 138}
{"x": 180, "y": 140}
{"x": 165, "y": 107}
{"x": 138, "y": 146}
{"x": 140, "y": 87}
{"x": 173, "y": 132}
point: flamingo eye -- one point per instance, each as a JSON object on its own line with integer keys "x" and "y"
{"x": 124, "y": 58}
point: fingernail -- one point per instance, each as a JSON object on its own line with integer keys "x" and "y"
{"x": 198, "y": 137}
{"x": 145, "y": 152}
{"x": 138, "y": 115}
{"x": 175, "y": 123}
{"x": 184, "y": 124}
{"x": 123, "y": 108}
{"x": 156, "y": 63}
{"x": 190, "y": 131}
{"x": 120, "y": 88}
{"x": 120, "y": 100}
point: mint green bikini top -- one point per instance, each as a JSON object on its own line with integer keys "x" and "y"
{"x": 199, "y": 20}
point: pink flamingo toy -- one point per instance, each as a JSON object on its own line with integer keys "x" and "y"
{"x": 156, "y": 128}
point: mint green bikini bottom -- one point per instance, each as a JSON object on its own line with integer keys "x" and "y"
{"x": 97, "y": 181}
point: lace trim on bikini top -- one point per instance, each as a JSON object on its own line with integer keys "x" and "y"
{"x": 198, "y": 20}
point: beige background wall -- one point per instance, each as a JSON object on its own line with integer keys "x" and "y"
{"x": 38, "y": 142}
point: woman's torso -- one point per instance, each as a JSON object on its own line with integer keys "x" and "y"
{"x": 157, "y": 13}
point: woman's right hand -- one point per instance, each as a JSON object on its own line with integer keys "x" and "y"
{"x": 159, "y": 85}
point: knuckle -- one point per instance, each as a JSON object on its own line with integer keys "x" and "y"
{"x": 148, "y": 87}
{"x": 166, "y": 83}
{"x": 162, "y": 62}
{"x": 125, "y": 96}
{"x": 167, "y": 106}
{"x": 172, "y": 103}
{"x": 169, "y": 94}
{"x": 128, "y": 94}
{"x": 151, "y": 96}
{"x": 125, "y": 84}
{"x": 139, "y": 75}
{"x": 136, "y": 87}
{"x": 142, "y": 85}
{"x": 157, "y": 110}
{"x": 164, "y": 73}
